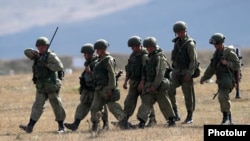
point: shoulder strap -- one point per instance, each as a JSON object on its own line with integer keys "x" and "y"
{"x": 189, "y": 40}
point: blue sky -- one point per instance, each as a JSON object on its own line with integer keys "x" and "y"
{"x": 82, "y": 21}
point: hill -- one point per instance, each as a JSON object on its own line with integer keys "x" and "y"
{"x": 19, "y": 66}
{"x": 84, "y": 21}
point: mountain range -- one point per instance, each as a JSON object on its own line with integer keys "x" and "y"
{"x": 115, "y": 21}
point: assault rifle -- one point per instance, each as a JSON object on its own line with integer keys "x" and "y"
{"x": 238, "y": 74}
{"x": 52, "y": 38}
{"x": 60, "y": 73}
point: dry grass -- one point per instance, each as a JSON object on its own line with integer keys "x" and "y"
{"x": 17, "y": 94}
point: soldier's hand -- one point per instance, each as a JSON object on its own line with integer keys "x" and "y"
{"x": 202, "y": 80}
{"x": 187, "y": 78}
{"x": 223, "y": 61}
{"x": 125, "y": 85}
{"x": 109, "y": 93}
{"x": 87, "y": 69}
{"x": 152, "y": 89}
{"x": 140, "y": 86}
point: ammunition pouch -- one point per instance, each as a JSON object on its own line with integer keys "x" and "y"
{"x": 114, "y": 96}
{"x": 51, "y": 86}
{"x": 164, "y": 86}
{"x": 197, "y": 71}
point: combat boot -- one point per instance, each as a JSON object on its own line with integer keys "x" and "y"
{"x": 141, "y": 124}
{"x": 60, "y": 127}
{"x": 188, "y": 119}
{"x": 28, "y": 128}
{"x": 177, "y": 117}
{"x": 124, "y": 124}
{"x": 152, "y": 122}
{"x": 73, "y": 126}
{"x": 171, "y": 122}
{"x": 105, "y": 125}
{"x": 95, "y": 129}
{"x": 225, "y": 119}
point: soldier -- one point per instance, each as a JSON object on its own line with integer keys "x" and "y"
{"x": 223, "y": 64}
{"x": 106, "y": 91}
{"x": 46, "y": 76}
{"x": 155, "y": 85}
{"x": 184, "y": 63}
{"x": 87, "y": 89}
{"x": 134, "y": 71}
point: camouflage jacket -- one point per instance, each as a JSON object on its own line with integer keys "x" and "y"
{"x": 215, "y": 67}
{"x": 134, "y": 68}
{"x": 184, "y": 56}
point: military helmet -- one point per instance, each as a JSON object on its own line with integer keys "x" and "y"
{"x": 217, "y": 38}
{"x": 42, "y": 41}
{"x": 88, "y": 48}
{"x": 179, "y": 26}
{"x": 101, "y": 44}
{"x": 134, "y": 41}
{"x": 150, "y": 41}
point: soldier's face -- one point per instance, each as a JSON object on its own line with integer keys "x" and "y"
{"x": 87, "y": 55}
{"x": 150, "y": 49}
{"x": 181, "y": 34}
{"x": 218, "y": 46}
{"x": 100, "y": 52}
{"x": 42, "y": 48}
{"x": 136, "y": 48}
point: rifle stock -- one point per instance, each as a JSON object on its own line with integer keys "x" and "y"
{"x": 237, "y": 86}
{"x": 238, "y": 74}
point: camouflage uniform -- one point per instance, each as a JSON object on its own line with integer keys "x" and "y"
{"x": 225, "y": 77}
{"x": 45, "y": 77}
{"x": 184, "y": 59}
{"x": 134, "y": 70}
{"x": 105, "y": 81}
{"x": 153, "y": 76}
{"x": 87, "y": 89}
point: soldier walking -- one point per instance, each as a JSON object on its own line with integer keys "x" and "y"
{"x": 184, "y": 63}
{"x": 106, "y": 91}
{"x": 134, "y": 70}
{"x": 223, "y": 64}
{"x": 86, "y": 90}
{"x": 47, "y": 76}
{"x": 155, "y": 86}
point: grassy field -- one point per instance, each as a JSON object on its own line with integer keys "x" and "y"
{"x": 17, "y": 94}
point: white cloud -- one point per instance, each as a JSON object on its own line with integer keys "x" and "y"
{"x": 19, "y": 15}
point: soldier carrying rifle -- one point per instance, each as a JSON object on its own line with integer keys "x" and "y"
{"x": 224, "y": 64}
{"x": 47, "y": 79}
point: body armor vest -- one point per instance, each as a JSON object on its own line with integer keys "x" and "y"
{"x": 180, "y": 55}
{"x": 151, "y": 65}
{"x": 101, "y": 73}
{"x": 134, "y": 66}
{"x": 41, "y": 73}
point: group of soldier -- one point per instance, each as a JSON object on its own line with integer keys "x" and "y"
{"x": 148, "y": 76}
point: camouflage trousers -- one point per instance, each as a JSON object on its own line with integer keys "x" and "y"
{"x": 98, "y": 102}
{"x": 83, "y": 108}
{"x": 149, "y": 99}
{"x": 55, "y": 102}
{"x": 187, "y": 89}
{"x": 224, "y": 100}
{"x": 131, "y": 102}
